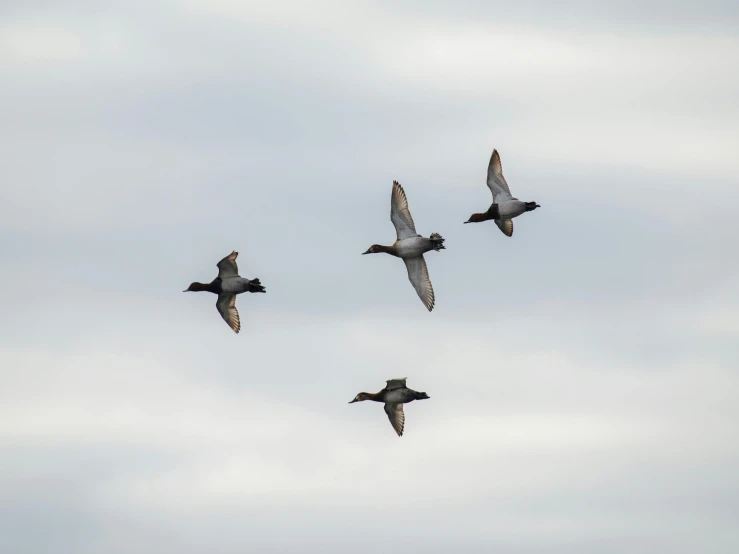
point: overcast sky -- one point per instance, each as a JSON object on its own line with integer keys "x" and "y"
{"x": 583, "y": 375}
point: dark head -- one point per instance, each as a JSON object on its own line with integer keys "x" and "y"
{"x": 477, "y": 218}
{"x": 196, "y": 287}
{"x": 361, "y": 396}
{"x": 374, "y": 249}
{"x": 531, "y": 206}
{"x": 422, "y": 396}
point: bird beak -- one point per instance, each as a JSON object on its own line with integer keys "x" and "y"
{"x": 184, "y": 290}
{"x": 353, "y": 401}
{"x": 466, "y": 222}
{"x": 538, "y": 206}
{"x": 368, "y": 252}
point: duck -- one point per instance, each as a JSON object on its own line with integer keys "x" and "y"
{"x": 410, "y": 246}
{"x": 394, "y": 395}
{"x": 227, "y": 285}
{"x": 505, "y": 206}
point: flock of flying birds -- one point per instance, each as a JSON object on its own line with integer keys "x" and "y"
{"x": 410, "y": 247}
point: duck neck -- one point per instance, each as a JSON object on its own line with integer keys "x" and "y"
{"x": 386, "y": 249}
{"x": 478, "y": 218}
{"x": 491, "y": 213}
{"x": 213, "y": 286}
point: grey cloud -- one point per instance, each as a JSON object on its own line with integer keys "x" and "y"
{"x": 581, "y": 374}
{"x": 652, "y": 16}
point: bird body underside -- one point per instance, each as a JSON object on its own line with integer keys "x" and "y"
{"x": 511, "y": 209}
{"x": 412, "y": 247}
{"x": 235, "y": 285}
{"x": 399, "y": 396}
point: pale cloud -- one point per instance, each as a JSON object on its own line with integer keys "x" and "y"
{"x": 588, "y": 96}
{"x": 531, "y": 437}
{"x": 39, "y": 44}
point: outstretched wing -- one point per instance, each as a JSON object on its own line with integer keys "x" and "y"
{"x": 496, "y": 182}
{"x": 400, "y": 215}
{"x": 226, "y": 305}
{"x": 227, "y": 266}
{"x": 505, "y": 225}
{"x": 396, "y": 416}
{"x": 418, "y": 275}
{"x": 396, "y": 384}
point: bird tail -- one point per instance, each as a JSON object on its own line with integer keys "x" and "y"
{"x": 437, "y": 242}
{"x": 256, "y": 286}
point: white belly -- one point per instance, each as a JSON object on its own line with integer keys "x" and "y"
{"x": 412, "y": 247}
{"x": 511, "y": 209}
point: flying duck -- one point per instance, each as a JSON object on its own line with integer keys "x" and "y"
{"x": 410, "y": 246}
{"x": 394, "y": 395}
{"x": 505, "y": 206}
{"x": 227, "y": 285}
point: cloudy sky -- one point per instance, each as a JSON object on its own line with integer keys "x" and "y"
{"x": 583, "y": 375}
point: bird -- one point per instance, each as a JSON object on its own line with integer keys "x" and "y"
{"x": 227, "y": 285}
{"x": 394, "y": 395}
{"x": 505, "y": 206}
{"x": 410, "y": 246}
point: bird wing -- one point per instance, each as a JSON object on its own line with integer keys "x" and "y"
{"x": 505, "y": 225}
{"x": 395, "y": 383}
{"x": 400, "y": 215}
{"x": 226, "y": 305}
{"x": 418, "y": 275}
{"x": 227, "y": 266}
{"x": 396, "y": 416}
{"x": 496, "y": 182}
